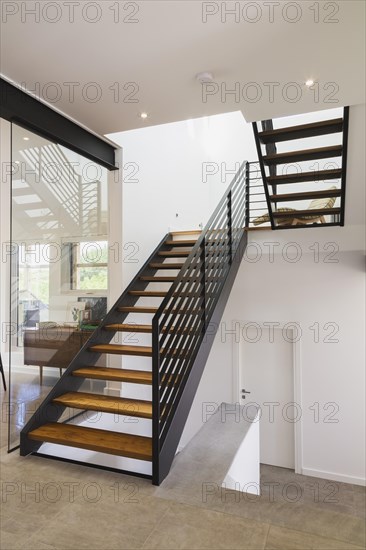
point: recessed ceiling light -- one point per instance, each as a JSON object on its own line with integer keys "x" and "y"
{"x": 144, "y": 115}
{"x": 310, "y": 82}
{"x": 26, "y": 138}
{"x": 204, "y": 77}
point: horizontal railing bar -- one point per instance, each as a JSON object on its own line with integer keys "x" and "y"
{"x": 173, "y": 365}
{"x": 184, "y": 364}
{"x": 240, "y": 205}
{"x": 177, "y": 305}
{"x": 180, "y": 389}
{"x": 172, "y": 322}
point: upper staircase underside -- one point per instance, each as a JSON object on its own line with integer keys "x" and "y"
{"x": 303, "y": 169}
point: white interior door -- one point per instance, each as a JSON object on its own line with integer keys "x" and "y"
{"x": 266, "y": 371}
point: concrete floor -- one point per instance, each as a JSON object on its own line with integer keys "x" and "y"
{"x": 48, "y": 504}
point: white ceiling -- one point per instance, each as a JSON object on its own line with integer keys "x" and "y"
{"x": 170, "y": 44}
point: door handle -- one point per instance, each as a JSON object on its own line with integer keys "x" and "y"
{"x": 243, "y": 392}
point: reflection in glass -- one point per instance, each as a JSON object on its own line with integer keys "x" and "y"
{"x": 59, "y": 265}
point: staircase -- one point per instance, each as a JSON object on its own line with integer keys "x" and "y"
{"x": 288, "y": 199}
{"x": 199, "y": 268}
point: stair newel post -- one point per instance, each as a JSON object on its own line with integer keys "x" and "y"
{"x": 155, "y": 400}
{"x": 247, "y": 194}
{"x": 230, "y": 225}
{"x": 203, "y": 282}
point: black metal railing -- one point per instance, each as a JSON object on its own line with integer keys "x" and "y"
{"x": 256, "y": 202}
{"x": 180, "y": 323}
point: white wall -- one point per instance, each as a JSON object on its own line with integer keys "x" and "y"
{"x": 328, "y": 289}
{"x": 170, "y": 161}
{"x": 309, "y": 291}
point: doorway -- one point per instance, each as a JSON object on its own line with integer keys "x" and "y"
{"x": 267, "y": 374}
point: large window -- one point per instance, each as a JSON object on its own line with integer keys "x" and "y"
{"x": 34, "y": 284}
{"x": 90, "y": 266}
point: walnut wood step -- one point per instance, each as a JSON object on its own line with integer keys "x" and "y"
{"x": 306, "y": 154}
{"x": 147, "y": 309}
{"x": 308, "y": 212}
{"x": 259, "y": 228}
{"x": 306, "y": 195}
{"x": 159, "y": 279}
{"x": 166, "y": 266}
{"x": 137, "y": 309}
{"x": 194, "y": 232}
{"x": 182, "y": 242}
{"x": 115, "y": 349}
{"x": 305, "y": 176}
{"x": 141, "y": 351}
{"x": 302, "y": 131}
{"x": 174, "y": 254}
{"x": 141, "y": 328}
{"x": 149, "y": 293}
{"x": 128, "y": 327}
{"x": 117, "y": 375}
{"x": 105, "y": 403}
{"x": 103, "y": 441}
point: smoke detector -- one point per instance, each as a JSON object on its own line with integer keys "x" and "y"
{"x": 204, "y": 77}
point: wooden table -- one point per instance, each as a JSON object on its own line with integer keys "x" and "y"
{"x": 54, "y": 347}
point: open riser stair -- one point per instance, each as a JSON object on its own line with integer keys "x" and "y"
{"x": 196, "y": 270}
{"x": 304, "y": 170}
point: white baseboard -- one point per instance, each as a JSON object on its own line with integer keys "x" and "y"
{"x": 334, "y": 476}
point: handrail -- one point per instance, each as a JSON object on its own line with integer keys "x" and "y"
{"x": 181, "y": 321}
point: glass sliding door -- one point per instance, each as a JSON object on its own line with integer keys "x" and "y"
{"x": 59, "y": 268}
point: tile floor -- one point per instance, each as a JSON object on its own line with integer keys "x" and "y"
{"x": 48, "y": 504}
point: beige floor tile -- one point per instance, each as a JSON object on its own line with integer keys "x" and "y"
{"x": 189, "y": 527}
{"x": 280, "y": 538}
{"x": 11, "y": 541}
{"x": 127, "y": 524}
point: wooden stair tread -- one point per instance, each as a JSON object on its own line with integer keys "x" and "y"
{"x": 259, "y": 228}
{"x": 306, "y": 195}
{"x": 302, "y": 131}
{"x": 143, "y": 351}
{"x": 192, "y": 232}
{"x": 140, "y": 328}
{"x": 305, "y": 176}
{"x": 158, "y": 279}
{"x": 174, "y": 254}
{"x": 305, "y": 154}
{"x": 149, "y": 293}
{"x": 137, "y": 309}
{"x": 166, "y": 265}
{"x": 308, "y": 212}
{"x": 118, "y": 375}
{"x": 182, "y": 242}
{"x": 103, "y": 441}
{"x": 128, "y": 327}
{"x": 105, "y": 403}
